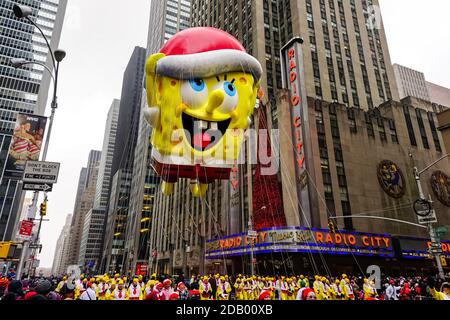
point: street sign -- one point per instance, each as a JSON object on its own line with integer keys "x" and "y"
{"x": 41, "y": 172}
{"x": 37, "y": 187}
{"x": 252, "y": 234}
{"x": 35, "y": 246}
{"x": 26, "y": 228}
{"x": 430, "y": 218}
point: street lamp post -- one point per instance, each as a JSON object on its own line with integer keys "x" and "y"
{"x": 435, "y": 242}
{"x": 21, "y": 11}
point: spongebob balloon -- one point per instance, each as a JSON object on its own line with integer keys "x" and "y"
{"x": 201, "y": 90}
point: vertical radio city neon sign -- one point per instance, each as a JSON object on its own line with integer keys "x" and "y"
{"x": 294, "y": 81}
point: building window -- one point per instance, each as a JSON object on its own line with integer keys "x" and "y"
{"x": 422, "y": 130}
{"x": 409, "y": 125}
{"x": 434, "y": 132}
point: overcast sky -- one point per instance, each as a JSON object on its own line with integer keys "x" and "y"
{"x": 99, "y": 47}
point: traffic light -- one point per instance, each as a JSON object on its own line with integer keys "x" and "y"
{"x": 43, "y": 211}
{"x": 331, "y": 226}
{"x": 7, "y": 250}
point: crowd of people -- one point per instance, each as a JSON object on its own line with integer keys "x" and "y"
{"x": 223, "y": 287}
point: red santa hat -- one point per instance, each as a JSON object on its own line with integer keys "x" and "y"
{"x": 167, "y": 282}
{"x": 174, "y": 296}
{"x": 205, "y": 52}
{"x": 264, "y": 295}
{"x": 306, "y": 292}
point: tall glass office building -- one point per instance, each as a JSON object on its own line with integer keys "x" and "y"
{"x": 23, "y": 90}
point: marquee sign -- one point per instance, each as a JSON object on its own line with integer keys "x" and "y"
{"x": 294, "y": 80}
{"x": 417, "y": 248}
{"x": 297, "y": 239}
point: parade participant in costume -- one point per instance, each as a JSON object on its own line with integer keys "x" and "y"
{"x": 167, "y": 289}
{"x": 337, "y": 290}
{"x": 302, "y": 282}
{"x": 290, "y": 289}
{"x": 183, "y": 292}
{"x": 248, "y": 289}
{"x": 174, "y": 296}
{"x": 306, "y": 294}
{"x": 157, "y": 293}
{"x": 142, "y": 285}
{"x": 102, "y": 288}
{"x": 348, "y": 290}
{"x": 444, "y": 294}
{"x": 109, "y": 295}
{"x": 265, "y": 295}
{"x": 223, "y": 293}
{"x": 239, "y": 289}
{"x": 120, "y": 293}
{"x": 79, "y": 286}
{"x": 61, "y": 284}
{"x": 205, "y": 289}
{"x": 329, "y": 290}
{"x": 392, "y": 291}
{"x": 319, "y": 289}
{"x": 369, "y": 290}
{"x": 149, "y": 289}
{"x": 283, "y": 288}
{"x": 134, "y": 290}
{"x": 89, "y": 294}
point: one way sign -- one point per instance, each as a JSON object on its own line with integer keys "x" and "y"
{"x": 37, "y": 187}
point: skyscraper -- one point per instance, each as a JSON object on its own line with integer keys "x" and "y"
{"x": 109, "y": 142}
{"x": 83, "y": 203}
{"x": 94, "y": 223}
{"x": 124, "y": 159}
{"x": 23, "y": 90}
{"x": 167, "y": 18}
{"x": 59, "y": 266}
{"x": 411, "y": 83}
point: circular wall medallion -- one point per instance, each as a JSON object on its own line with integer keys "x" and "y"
{"x": 440, "y": 183}
{"x": 391, "y": 179}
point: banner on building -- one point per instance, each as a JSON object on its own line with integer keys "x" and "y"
{"x": 301, "y": 240}
{"x": 294, "y": 79}
{"x": 26, "y": 144}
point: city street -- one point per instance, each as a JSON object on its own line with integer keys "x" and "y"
{"x": 247, "y": 152}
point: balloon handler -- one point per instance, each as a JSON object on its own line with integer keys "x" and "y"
{"x": 201, "y": 90}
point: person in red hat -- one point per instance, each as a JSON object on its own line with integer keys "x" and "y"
{"x": 392, "y": 291}
{"x": 265, "y": 295}
{"x": 183, "y": 292}
{"x": 306, "y": 294}
{"x": 167, "y": 289}
{"x": 174, "y": 296}
{"x": 156, "y": 293}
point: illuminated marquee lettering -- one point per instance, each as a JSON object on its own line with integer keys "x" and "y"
{"x": 306, "y": 239}
{"x": 295, "y": 102}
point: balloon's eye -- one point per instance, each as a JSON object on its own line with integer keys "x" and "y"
{"x": 194, "y": 93}
{"x": 230, "y": 89}
{"x": 197, "y": 84}
{"x": 231, "y": 96}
